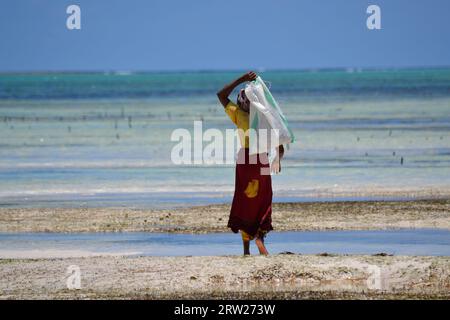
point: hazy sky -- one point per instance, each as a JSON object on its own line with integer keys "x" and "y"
{"x": 212, "y": 34}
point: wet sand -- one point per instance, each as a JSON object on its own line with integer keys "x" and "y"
{"x": 361, "y": 215}
{"x": 256, "y": 277}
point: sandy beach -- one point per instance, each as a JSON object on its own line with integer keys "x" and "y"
{"x": 255, "y": 277}
{"x": 358, "y": 215}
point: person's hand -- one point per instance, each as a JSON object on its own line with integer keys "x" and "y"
{"x": 275, "y": 167}
{"x": 249, "y": 76}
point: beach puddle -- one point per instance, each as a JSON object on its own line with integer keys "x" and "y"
{"x": 417, "y": 242}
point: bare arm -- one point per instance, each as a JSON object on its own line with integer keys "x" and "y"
{"x": 280, "y": 151}
{"x": 226, "y": 91}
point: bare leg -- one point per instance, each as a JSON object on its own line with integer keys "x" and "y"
{"x": 261, "y": 247}
{"x": 246, "y": 247}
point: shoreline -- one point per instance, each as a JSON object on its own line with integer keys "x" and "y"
{"x": 279, "y": 276}
{"x": 287, "y": 216}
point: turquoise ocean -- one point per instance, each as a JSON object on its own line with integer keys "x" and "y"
{"x": 103, "y": 139}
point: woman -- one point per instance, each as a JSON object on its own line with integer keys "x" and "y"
{"x": 251, "y": 211}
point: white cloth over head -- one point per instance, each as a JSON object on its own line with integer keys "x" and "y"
{"x": 268, "y": 127}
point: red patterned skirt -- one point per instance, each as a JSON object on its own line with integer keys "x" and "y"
{"x": 251, "y": 210}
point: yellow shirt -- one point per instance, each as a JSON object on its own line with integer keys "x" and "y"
{"x": 240, "y": 119}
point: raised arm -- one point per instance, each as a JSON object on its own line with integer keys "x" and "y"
{"x": 226, "y": 91}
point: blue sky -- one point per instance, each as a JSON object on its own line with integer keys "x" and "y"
{"x": 151, "y": 35}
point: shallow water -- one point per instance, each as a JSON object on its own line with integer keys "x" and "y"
{"x": 104, "y": 139}
{"x": 430, "y": 242}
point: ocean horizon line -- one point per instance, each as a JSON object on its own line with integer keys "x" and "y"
{"x": 212, "y": 71}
